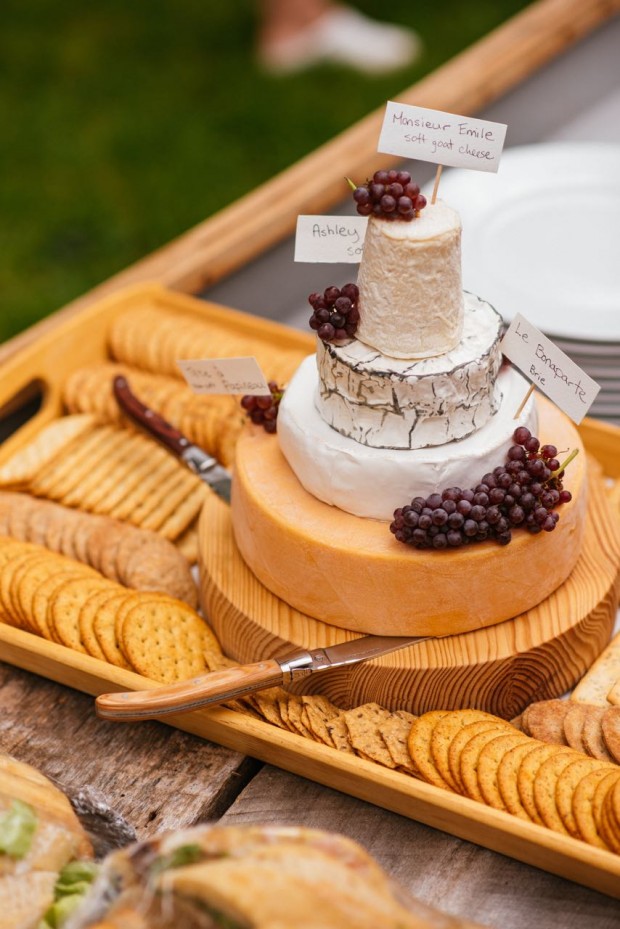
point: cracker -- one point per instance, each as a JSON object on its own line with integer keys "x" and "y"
{"x": 614, "y": 694}
{"x": 141, "y": 489}
{"x": 461, "y": 739}
{"x": 608, "y": 827}
{"x": 64, "y": 610}
{"x": 88, "y": 613}
{"x": 319, "y": 712}
{"x": 470, "y": 759}
{"x": 339, "y": 733}
{"x": 189, "y": 508}
{"x": 363, "y": 724}
{"x": 25, "y": 464}
{"x": 528, "y": 770}
{"x": 43, "y": 594}
{"x": 267, "y": 701}
{"x": 582, "y": 805}
{"x": 507, "y": 772}
{"x": 165, "y": 640}
{"x": 29, "y": 574}
{"x": 544, "y": 788}
{"x": 597, "y": 682}
{"x": 566, "y": 785}
{"x": 610, "y": 730}
{"x": 444, "y": 732}
{"x": 11, "y": 571}
{"x": 294, "y": 718}
{"x": 187, "y": 543}
{"x": 104, "y": 625}
{"x": 573, "y": 725}
{"x": 419, "y": 745}
{"x": 489, "y": 761}
{"x": 598, "y": 802}
{"x": 545, "y": 720}
{"x": 592, "y": 734}
{"x": 395, "y": 733}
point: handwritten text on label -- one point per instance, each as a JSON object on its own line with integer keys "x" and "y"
{"x": 224, "y": 376}
{"x": 549, "y": 368}
{"x": 330, "y": 238}
{"x": 443, "y": 138}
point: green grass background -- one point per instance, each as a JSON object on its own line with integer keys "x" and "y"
{"x": 124, "y": 123}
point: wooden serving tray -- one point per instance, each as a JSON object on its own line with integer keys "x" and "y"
{"x": 41, "y": 368}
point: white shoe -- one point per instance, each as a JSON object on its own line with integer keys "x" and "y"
{"x": 344, "y": 36}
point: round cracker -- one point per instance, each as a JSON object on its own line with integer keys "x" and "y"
{"x": 64, "y": 609}
{"x": 527, "y": 772}
{"x": 507, "y": 778}
{"x": 566, "y": 786}
{"x": 545, "y": 783}
{"x": 461, "y": 739}
{"x": 583, "y": 805}
{"x": 165, "y": 640}
{"x": 545, "y": 721}
{"x": 88, "y": 614}
{"x": 610, "y": 729}
{"x": 419, "y": 745}
{"x": 43, "y": 594}
{"x": 592, "y": 734}
{"x": 488, "y": 765}
{"x": 444, "y": 732}
{"x": 470, "y": 757}
{"x": 104, "y": 625}
{"x": 573, "y": 726}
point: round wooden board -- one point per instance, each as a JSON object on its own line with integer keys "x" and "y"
{"x": 537, "y": 655}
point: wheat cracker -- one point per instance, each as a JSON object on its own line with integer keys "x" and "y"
{"x": 461, "y": 739}
{"x": 566, "y": 786}
{"x": 583, "y": 805}
{"x": 489, "y": 761}
{"x": 592, "y": 734}
{"x": 395, "y": 733}
{"x": 507, "y": 773}
{"x": 363, "y": 723}
{"x": 339, "y": 733}
{"x": 444, "y": 732}
{"x": 267, "y": 701}
{"x": 608, "y": 827}
{"x": 610, "y": 730}
{"x": 419, "y": 745}
{"x": 545, "y": 720}
{"x": 319, "y": 711}
{"x": 544, "y": 788}
{"x": 528, "y": 771}
{"x": 573, "y": 726}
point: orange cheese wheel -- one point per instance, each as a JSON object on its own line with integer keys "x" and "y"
{"x": 352, "y": 573}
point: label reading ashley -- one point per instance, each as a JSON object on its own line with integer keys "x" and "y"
{"x": 224, "y": 376}
{"x": 334, "y": 239}
{"x": 549, "y": 369}
{"x": 443, "y": 138}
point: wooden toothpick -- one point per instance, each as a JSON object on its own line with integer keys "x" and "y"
{"x": 524, "y": 401}
{"x": 436, "y": 187}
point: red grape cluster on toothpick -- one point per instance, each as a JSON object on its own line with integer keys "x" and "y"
{"x": 390, "y": 195}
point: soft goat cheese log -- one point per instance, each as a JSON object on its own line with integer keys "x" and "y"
{"x": 373, "y": 482}
{"x": 411, "y": 299}
{"x": 385, "y": 402}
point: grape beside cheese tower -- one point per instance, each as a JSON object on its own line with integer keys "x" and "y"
{"x": 417, "y": 401}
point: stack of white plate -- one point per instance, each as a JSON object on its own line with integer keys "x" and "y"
{"x": 542, "y": 238}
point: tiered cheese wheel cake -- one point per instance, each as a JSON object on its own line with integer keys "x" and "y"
{"x": 416, "y": 402}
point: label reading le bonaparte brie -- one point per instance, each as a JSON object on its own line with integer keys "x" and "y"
{"x": 443, "y": 138}
{"x": 224, "y": 376}
{"x": 333, "y": 239}
{"x": 549, "y": 369}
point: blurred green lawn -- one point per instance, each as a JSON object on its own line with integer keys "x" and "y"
{"x": 123, "y": 124}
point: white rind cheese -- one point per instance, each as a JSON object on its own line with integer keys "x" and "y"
{"x": 385, "y": 402}
{"x": 410, "y": 302}
{"x": 372, "y": 482}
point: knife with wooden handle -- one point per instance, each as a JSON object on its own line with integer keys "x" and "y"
{"x": 220, "y": 686}
{"x": 204, "y": 466}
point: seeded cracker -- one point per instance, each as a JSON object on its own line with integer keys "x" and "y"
{"x": 488, "y": 767}
{"x": 470, "y": 759}
{"x": 419, "y": 744}
{"x": 507, "y": 778}
{"x": 444, "y": 732}
{"x": 526, "y": 775}
{"x": 363, "y": 724}
{"x": 566, "y": 786}
{"x": 337, "y": 729}
{"x": 583, "y": 809}
{"x": 461, "y": 739}
{"x": 573, "y": 725}
{"x": 592, "y": 734}
{"x": 610, "y": 729}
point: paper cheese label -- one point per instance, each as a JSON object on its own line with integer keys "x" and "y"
{"x": 334, "y": 239}
{"x": 549, "y": 369}
{"x": 443, "y": 138}
{"x": 224, "y": 376}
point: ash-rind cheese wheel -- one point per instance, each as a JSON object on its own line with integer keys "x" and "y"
{"x": 351, "y": 573}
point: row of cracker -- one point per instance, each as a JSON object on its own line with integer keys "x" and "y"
{"x": 154, "y": 339}
{"x": 73, "y": 605}
{"x": 369, "y": 731}
{"x": 108, "y": 470}
{"x": 588, "y": 728}
{"x": 485, "y": 758}
{"x": 212, "y": 421}
{"x": 133, "y": 557}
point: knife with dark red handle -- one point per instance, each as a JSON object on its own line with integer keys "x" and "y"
{"x": 205, "y": 466}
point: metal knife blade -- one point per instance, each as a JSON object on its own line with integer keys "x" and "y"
{"x": 205, "y": 466}
{"x": 219, "y": 686}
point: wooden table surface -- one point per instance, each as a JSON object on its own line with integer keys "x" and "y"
{"x": 148, "y": 777}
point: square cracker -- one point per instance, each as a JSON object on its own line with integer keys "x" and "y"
{"x": 595, "y": 685}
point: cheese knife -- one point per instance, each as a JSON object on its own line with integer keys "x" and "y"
{"x": 220, "y": 686}
{"x": 197, "y": 460}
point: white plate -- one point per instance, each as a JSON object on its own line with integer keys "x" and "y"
{"x": 542, "y": 236}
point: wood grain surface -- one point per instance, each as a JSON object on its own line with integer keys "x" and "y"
{"x": 465, "y": 84}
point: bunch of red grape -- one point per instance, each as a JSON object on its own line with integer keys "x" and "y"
{"x": 263, "y": 410}
{"x": 520, "y": 493}
{"x": 335, "y": 315}
{"x": 390, "y": 195}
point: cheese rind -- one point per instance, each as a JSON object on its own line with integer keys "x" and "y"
{"x": 352, "y": 573}
{"x": 372, "y": 482}
{"x": 410, "y": 300}
{"x": 385, "y": 402}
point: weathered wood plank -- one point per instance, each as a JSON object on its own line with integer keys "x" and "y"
{"x": 155, "y": 777}
{"x": 456, "y": 876}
